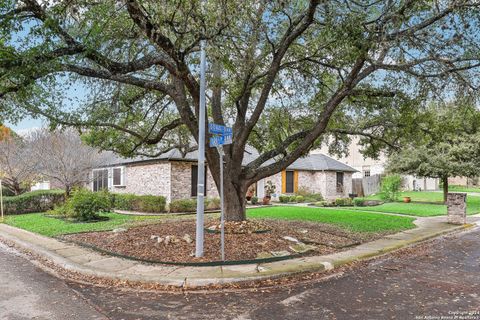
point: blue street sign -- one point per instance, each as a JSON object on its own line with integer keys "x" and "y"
{"x": 220, "y": 140}
{"x": 219, "y": 129}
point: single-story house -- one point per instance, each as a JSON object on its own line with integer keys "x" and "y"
{"x": 175, "y": 176}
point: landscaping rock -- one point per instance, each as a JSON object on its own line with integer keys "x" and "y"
{"x": 292, "y": 239}
{"x": 167, "y": 240}
{"x": 303, "y": 231}
{"x": 118, "y": 230}
{"x": 160, "y": 239}
{"x": 302, "y": 247}
{"x": 263, "y": 255}
{"x": 187, "y": 238}
{"x": 282, "y": 253}
{"x": 153, "y": 237}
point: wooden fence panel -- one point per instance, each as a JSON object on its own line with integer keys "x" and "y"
{"x": 367, "y": 185}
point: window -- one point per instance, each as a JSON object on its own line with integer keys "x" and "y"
{"x": 118, "y": 177}
{"x": 100, "y": 179}
{"x": 340, "y": 182}
{"x": 366, "y": 171}
{"x": 195, "y": 181}
{"x": 289, "y": 178}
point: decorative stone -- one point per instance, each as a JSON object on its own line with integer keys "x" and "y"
{"x": 168, "y": 239}
{"x": 303, "y": 231}
{"x": 187, "y": 238}
{"x": 160, "y": 239}
{"x": 153, "y": 237}
{"x": 457, "y": 208}
{"x": 264, "y": 255}
{"x": 118, "y": 230}
{"x": 302, "y": 248}
{"x": 292, "y": 239}
{"x": 282, "y": 253}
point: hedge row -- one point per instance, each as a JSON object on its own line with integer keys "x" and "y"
{"x": 190, "y": 205}
{"x": 35, "y": 201}
{"x": 131, "y": 202}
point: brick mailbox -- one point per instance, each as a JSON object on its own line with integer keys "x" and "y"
{"x": 457, "y": 208}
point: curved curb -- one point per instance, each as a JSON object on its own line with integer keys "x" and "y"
{"x": 195, "y": 277}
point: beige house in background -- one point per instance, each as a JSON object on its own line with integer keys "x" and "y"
{"x": 368, "y": 167}
{"x": 175, "y": 176}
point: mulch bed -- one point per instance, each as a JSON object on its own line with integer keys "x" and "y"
{"x": 142, "y": 242}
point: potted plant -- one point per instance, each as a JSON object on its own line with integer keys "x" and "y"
{"x": 407, "y": 199}
{"x": 269, "y": 190}
{"x": 250, "y": 193}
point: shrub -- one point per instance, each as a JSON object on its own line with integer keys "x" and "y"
{"x": 35, "y": 201}
{"x": 211, "y": 203}
{"x": 292, "y": 198}
{"x": 85, "y": 205}
{"x": 358, "y": 202}
{"x": 390, "y": 187}
{"x": 341, "y": 202}
{"x": 284, "y": 199}
{"x": 313, "y": 197}
{"x": 125, "y": 201}
{"x": 190, "y": 205}
{"x": 299, "y": 199}
{"x": 254, "y": 200}
{"x": 147, "y": 203}
{"x": 321, "y": 203}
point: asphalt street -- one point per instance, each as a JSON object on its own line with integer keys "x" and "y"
{"x": 434, "y": 280}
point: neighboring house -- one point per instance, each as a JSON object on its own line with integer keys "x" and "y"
{"x": 175, "y": 176}
{"x": 40, "y": 185}
{"x": 366, "y": 167}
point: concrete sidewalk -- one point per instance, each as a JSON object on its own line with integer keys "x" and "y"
{"x": 91, "y": 263}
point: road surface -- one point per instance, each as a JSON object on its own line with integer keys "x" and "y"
{"x": 434, "y": 280}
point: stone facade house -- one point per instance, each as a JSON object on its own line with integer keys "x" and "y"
{"x": 174, "y": 176}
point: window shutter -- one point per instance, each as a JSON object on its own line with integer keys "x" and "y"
{"x": 284, "y": 181}
{"x": 295, "y": 181}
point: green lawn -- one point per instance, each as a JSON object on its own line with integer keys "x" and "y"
{"x": 47, "y": 226}
{"x": 421, "y": 209}
{"x": 413, "y": 209}
{"x": 348, "y": 219}
{"x": 463, "y": 189}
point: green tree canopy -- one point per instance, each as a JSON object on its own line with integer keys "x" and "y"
{"x": 283, "y": 74}
{"x": 445, "y": 144}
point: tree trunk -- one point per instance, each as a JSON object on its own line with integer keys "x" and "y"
{"x": 234, "y": 201}
{"x": 445, "y": 188}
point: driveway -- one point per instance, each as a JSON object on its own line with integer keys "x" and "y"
{"x": 440, "y": 278}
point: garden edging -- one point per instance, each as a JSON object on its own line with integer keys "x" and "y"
{"x": 81, "y": 260}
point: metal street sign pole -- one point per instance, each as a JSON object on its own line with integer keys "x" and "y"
{"x": 222, "y": 215}
{"x": 1, "y": 199}
{"x": 201, "y": 156}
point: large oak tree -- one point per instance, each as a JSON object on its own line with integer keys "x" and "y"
{"x": 283, "y": 74}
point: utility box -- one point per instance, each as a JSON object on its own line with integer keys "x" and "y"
{"x": 457, "y": 208}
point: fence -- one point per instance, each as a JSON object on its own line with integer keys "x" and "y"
{"x": 367, "y": 185}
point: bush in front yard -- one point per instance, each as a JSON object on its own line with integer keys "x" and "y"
{"x": 124, "y": 201}
{"x": 358, "y": 202}
{"x": 147, "y": 203}
{"x": 35, "y": 201}
{"x": 190, "y": 205}
{"x": 183, "y": 205}
{"x": 85, "y": 205}
{"x": 254, "y": 200}
{"x": 390, "y": 187}
{"x": 299, "y": 199}
{"x": 342, "y": 202}
{"x": 284, "y": 199}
